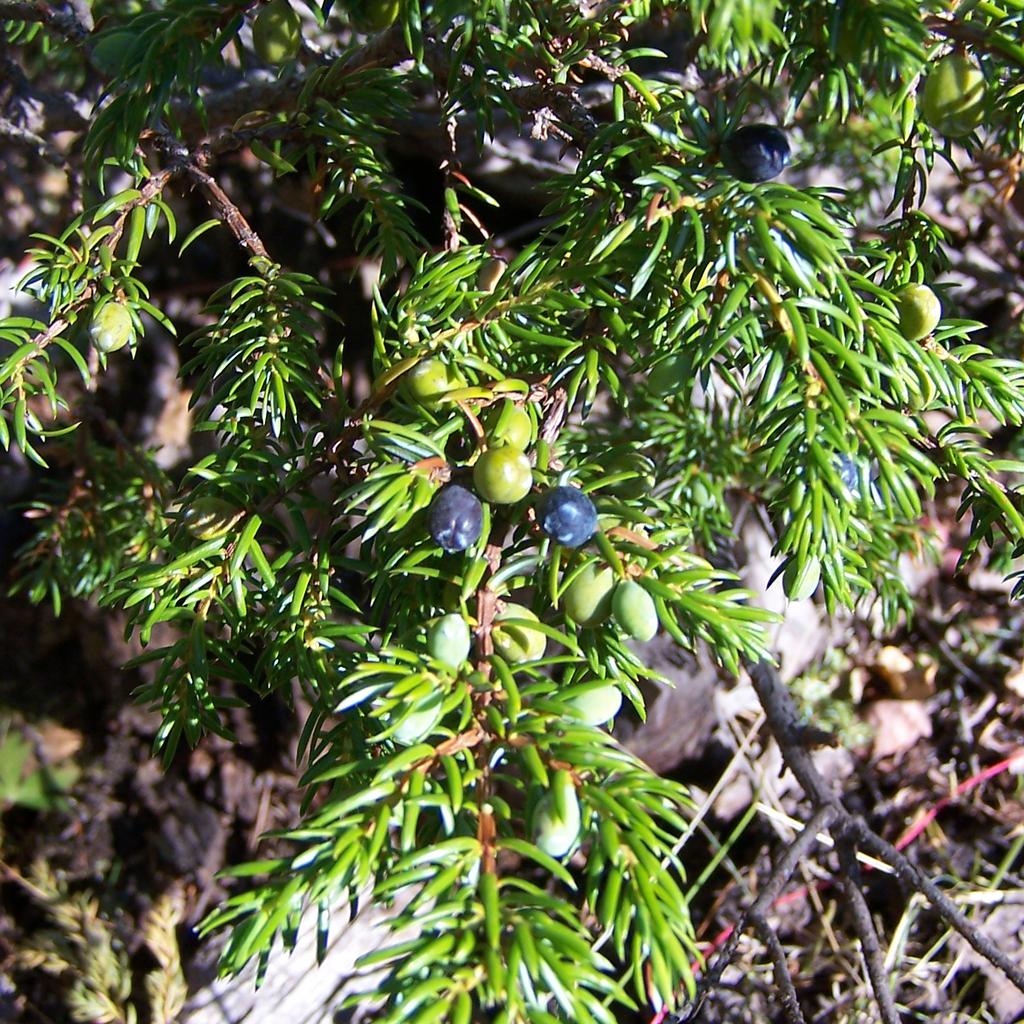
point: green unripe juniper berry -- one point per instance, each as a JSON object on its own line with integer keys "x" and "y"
{"x": 634, "y": 610}
{"x": 111, "y": 327}
{"x": 374, "y": 15}
{"x": 503, "y": 475}
{"x": 556, "y": 818}
{"x": 517, "y": 643}
{"x": 596, "y": 705}
{"x": 919, "y": 311}
{"x": 669, "y": 375}
{"x": 508, "y": 424}
{"x": 448, "y": 640}
{"x": 588, "y": 599}
{"x": 800, "y": 582}
{"x": 430, "y": 380}
{"x": 210, "y": 517}
{"x": 953, "y": 97}
{"x": 277, "y": 32}
{"x": 417, "y": 726}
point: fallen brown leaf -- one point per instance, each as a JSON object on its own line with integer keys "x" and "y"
{"x": 57, "y": 743}
{"x": 898, "y": 725}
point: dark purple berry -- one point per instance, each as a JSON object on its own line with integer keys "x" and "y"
{"x": 568, "y": 516}
{"x": 456, "y": 518}
{"x": 755, "y": 152}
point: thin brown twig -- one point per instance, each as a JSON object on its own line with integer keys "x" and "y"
{"x": 30, "y": 140}
{"x": 912, "y": 877}
{"x": 864, "y": 926}
{"x": 781, "y": 872}
{"x": 781, "y": 716}
{"x": 61, "y": 22}
{"x": 975, "y": 36}
{"x": 787, "y": 990}
{"x": 789, "y": 733}
{"x": 228, "y": 212}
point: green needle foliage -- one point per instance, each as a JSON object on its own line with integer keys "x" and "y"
{"x": 675, "y": 335}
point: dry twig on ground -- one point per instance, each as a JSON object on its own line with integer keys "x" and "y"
{"x": 850, "y": 833}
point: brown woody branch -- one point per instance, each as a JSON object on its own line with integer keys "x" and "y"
{"x": 30, "y": 140}
{"x": 64, "y": 23}
{"x": 864, "y": 927}
{"x": 790, "y": 1002}
{"x": 262, "y": 92}
{"x": 221, "y": 203}
{"x": 38, "y": 111}
{"x": 758, "y": 910}
{"x": 228, "y": 212}
{"x": 849, "y": 832}
{"x": 978, "y": 37}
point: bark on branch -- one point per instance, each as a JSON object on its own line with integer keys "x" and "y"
{"x": 850, "y": 833}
